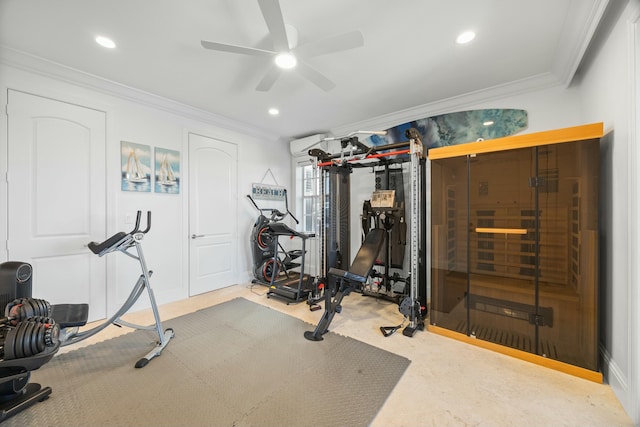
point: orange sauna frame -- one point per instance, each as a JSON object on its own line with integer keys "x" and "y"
{"x": 514, "y": 250}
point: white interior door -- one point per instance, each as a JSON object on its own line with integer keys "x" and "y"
{"x": 56, "y": 197}
{"x": 213, "y": 219}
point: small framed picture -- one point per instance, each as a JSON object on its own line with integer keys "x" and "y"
{"x": 135, "y": 166}
{"x": 167, "y": 171}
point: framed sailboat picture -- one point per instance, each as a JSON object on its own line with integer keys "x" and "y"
{"x": 135, "y": 166}
{"x": 167, "y": 167}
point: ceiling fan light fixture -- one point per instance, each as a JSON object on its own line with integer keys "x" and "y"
{"x": 105, "y": 42}
{"x": 286, "y": 60}
{"x": 466, "y": 37}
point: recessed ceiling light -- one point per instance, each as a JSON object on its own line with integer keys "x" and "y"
{"x": 488, "y": 123}
{"x": 105, "y": 42}
{"x": 466, "y": 37}
{"x": 286, "y": 60}
{"x": 274, "y": 111}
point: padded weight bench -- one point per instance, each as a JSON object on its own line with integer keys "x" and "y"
{"x": 358, "y": 273}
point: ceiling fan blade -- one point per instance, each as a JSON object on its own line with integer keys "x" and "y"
{"x": 331, "y": 44}
{"x": 269, "y": 79}
{"x": 224, "y": 47}
{"x": 315, "y": 77}
{"x": 273, "y": 17}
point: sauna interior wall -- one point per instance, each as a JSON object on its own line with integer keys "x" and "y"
{"x": 490, "y": 284}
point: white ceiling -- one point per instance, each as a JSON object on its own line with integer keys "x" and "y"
{"x": 409, "y": 57}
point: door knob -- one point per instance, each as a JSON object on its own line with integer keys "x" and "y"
{"x": 195, "y": 236}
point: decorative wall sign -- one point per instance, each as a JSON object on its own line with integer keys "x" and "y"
{"x": 458, "y": 128}
{"x": 135, "y": 166}
{"x": 268, "y": 192}
{"x": 167, "y": 171}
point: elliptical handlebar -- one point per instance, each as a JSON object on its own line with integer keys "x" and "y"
{"x": 254, "y": 203}
{"x": 286, "y": 204}
{"x": 276, "y": 215}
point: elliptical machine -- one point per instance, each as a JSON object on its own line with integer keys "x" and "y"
{"x": 273, "y": 264}
{"x": 262, "y": 242}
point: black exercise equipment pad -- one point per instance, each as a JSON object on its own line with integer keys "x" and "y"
{"x": 70, "y": 315}
{"x": 365, "y": 258}
{"x": 97, "y": 248}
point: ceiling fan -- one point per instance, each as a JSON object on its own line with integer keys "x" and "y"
{"x": 286, "y": 53}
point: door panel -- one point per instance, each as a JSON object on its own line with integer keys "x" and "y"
{"x": 449, "y": 243}
{"x": 568, "y": 199}
{"x": 502, "y": 232}
{"x": 212, "y": 213}
{"x": 57, "y": 197}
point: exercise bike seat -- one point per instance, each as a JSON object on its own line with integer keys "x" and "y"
{"x": 70, "y": 315}
{"x": 98, "y": 248}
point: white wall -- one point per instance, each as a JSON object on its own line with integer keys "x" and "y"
{"x": 142, "y": 118}
{"x": 608, "y": 84}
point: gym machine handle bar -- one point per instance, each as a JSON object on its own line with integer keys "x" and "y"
{"x": 137, "y": 227}
{"x": 115, "y": 241}
{"x": 276, "y": 211}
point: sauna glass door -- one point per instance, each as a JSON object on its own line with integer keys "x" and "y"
{"x": 449, "y": 238}
{"x": 502, "y": 248}
{"x": 567, "y": 188}
{"x": 514, "y": 249}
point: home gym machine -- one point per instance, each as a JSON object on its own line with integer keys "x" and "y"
{"x": 341, "y": 277}
{"x": 386, "y": 210}
{"x": 272, "y": 264}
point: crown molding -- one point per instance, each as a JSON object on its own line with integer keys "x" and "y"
{"x": 578, "y": 30}
{"x": 43, "y": 67}
{"x": 456, "y": 103}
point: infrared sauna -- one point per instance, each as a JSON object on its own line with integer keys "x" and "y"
{"x": 514, "y": 258}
